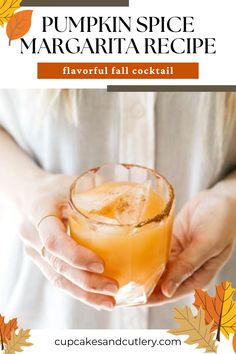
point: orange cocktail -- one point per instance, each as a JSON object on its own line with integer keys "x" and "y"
{"x": 124, "y": 213}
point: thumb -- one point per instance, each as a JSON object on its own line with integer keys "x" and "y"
{"x": 184, "y": 266}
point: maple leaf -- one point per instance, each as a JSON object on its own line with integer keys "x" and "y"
{"x": 17, "y": 341}
{"x": 6, "y": 329}
{"x": 221, "y": 309}
{"x": 7, "y": 9}
{"x": 195, "y": 328}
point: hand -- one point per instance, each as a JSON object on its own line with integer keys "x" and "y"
{"x": 203, "y": 240}
{"x": 63, "y": 261}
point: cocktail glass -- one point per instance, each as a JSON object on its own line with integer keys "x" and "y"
{"x": 124, "y": 213}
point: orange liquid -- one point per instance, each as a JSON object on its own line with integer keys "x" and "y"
{"x": 132, "y": 254}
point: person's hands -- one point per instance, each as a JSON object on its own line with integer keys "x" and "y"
{"x": 203, "y": 240}
{"x": 64, "y": 262}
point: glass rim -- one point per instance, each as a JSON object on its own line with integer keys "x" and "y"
{"x": 159, "y": 217}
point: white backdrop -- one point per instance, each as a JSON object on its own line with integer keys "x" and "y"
{"x": 212, "y": 19}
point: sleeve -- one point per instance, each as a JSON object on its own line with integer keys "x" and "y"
{"x": 8, "y": 112}
{"x": 13, "y": 110}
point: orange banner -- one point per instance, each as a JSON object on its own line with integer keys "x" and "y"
{"x": 118, "y": 70}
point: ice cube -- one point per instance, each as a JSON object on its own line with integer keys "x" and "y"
{"x": 122, "y": 204}
{"x": 131, "y": 205}
{"x": 98, "y": 198}
{"x": 103, "y": 219}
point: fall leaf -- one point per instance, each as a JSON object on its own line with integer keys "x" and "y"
{"x": 7, "y": 9}
{"x": 18, "y": 341}
{"x": 234, "y": 343}
{"x": 221, "y": 309}
{"x": 19, "y": 24}
{"x": 195, "y": 328}
{"x": 6, "y": 328}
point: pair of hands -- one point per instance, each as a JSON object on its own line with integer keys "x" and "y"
{"x": 203, "y": 239}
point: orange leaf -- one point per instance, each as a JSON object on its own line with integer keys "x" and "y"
{"x": 234, "y": 343}
{"x": 19, "y": 24}
{"x": 221, "y": 309}
{"x": 6, "y": 328}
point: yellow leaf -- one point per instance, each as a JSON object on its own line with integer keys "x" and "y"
{"x": 221, "y": 308}
{"x": 17, "y": 341}
{"x": 228, "y": 317}
{"x": 7, "y": 9}
{"x": 195, "y": 328}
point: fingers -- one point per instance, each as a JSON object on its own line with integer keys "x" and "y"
{"x": 87, "y": 281}
{"x": 184, "y": 265}
{"x": 29, "y": 236}
{"x": 205, "y": 274}
{"x": 200, "y": 279}
{"x": 98, "y": 301}
{"x": 52, "y": 232}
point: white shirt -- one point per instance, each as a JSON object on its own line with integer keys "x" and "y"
{"x": 163, "y": 130}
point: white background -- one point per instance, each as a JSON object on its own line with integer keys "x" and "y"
{"x": 212, "y": 19}
{"x": 44, "y": 343}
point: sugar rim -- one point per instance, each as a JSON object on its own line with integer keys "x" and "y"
{"x": 157, "y": 218}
